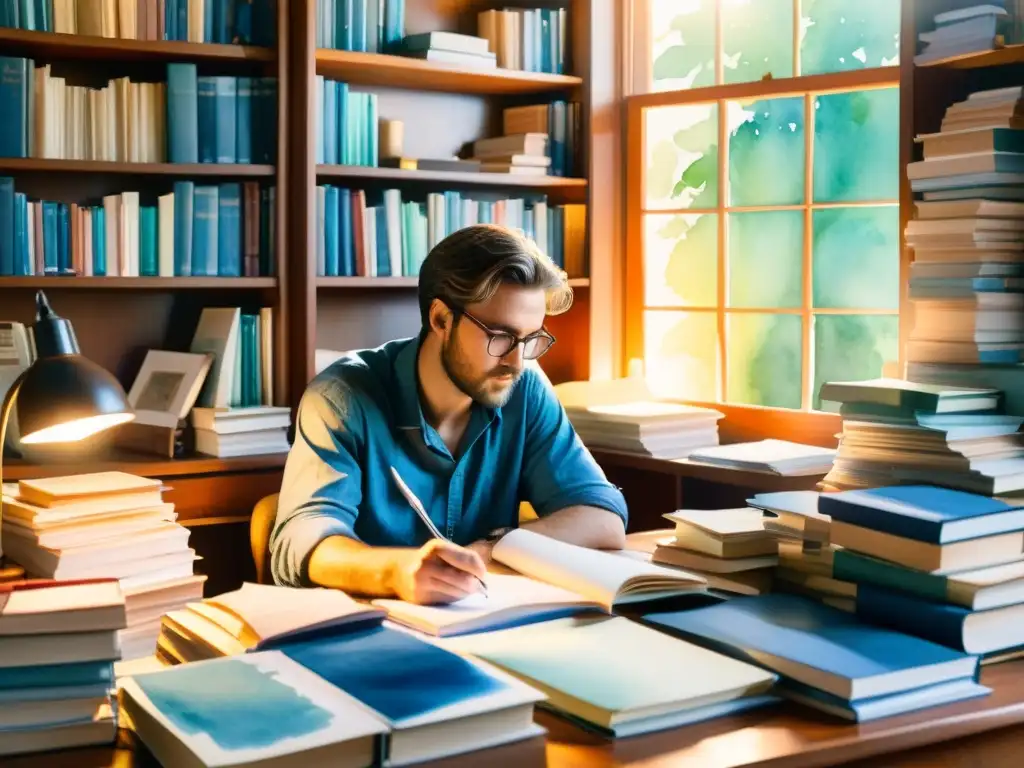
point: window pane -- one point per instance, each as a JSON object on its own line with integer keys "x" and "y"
{"x": 839, "y": 35}
{"x": 857, "y": 258}
{"x": 856, "y": 146}
{"x": 683, "y": 43}
{"x": 757, "y": 39}
{"x": 681, "y": 260}
{"x": 766, "y": 252}
{"x": 852, "y": 348}
{"x": 682, "y": 157}
{"x": 681, "y": 354}
{"x": 766, "y": 152}
{"x": 763, "y": 360}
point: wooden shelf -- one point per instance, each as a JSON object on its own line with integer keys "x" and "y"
{"x": 491, "y": 180}
{"x": 146, "y": 466}
{"x": 86, "y": 46}
{"x": 44, "y": 165}
{"x": 403, "y": 72}
{"x": 138, "y": 283}
{"x": 401, "y": 282}
{"x": 1011, "y": 54}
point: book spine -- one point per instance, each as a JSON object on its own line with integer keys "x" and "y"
{"x": 229, "y": 231}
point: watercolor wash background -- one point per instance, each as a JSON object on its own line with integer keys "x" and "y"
{"x": 855, "y": 249}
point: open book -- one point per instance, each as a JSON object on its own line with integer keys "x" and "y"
{"x": 554, "y": 579}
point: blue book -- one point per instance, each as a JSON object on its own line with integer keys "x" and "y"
{"x": 225, "y": 120}
{"x": 359, "y": 17}
{"x": 99, "y": 241}
{"x": 923, "y": 513}
{"x": 182, "y": 19}
{"x": 332, "y": 243}
{"x": 243, "y": 121}
{"x": 207, "y": 118}
{"x": 148, "y": 256}
{"x": 818, "y": 645}
{"x": 341, "y": 122}
{"x": 343, "y": 24}
{"x": 170, "y": 19}
{"x": 210, "y": 22}
{"x": 20, "y": 226}
{"x": 347, "y": 258}
{"x": 229, "y": 230}
{"x": 383, "y": 244}
{"x": 265, "y": 112}
{"x": 184, "y": 203}
{"x": 63, "y": 238}
{"x": 14, "y": 86}
{"x": 204, "y": 231}
{"x": 878, "y": 707}
{"x": 330, "y": 124}
{"x": 7, "y": 247}
{"x": 182, "y": 113}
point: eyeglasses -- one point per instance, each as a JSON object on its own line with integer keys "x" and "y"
{"x": 501, "y": 343}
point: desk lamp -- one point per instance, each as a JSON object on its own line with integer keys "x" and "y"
{"x": 62, "y": 397}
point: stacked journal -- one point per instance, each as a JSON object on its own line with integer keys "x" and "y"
{"x": 105, "y": 524}
{"x": 58, "y": 645}
{"x": 937, "y": 563}
{"x": 648, "y": 428}
{"x": 897, "y": 431}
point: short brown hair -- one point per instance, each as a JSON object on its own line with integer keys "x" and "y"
{"x": 471, "y": 264}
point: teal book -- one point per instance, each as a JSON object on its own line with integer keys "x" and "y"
{"x": 243, "y": 121}
{"x": 226, "y": 96}
{"x": 204, "y": 233}
{"x": 148, "y": 239}
{"x": 184, "y": 204}
{"x": 182, "y": 113}
{"x": 229, "y": 230}
{"x": 207, "y": 114}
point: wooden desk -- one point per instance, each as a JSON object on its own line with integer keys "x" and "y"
{"x": 977, "y": 733}
{"x": 653, "y": 487}
{"x": 212, "y": 497}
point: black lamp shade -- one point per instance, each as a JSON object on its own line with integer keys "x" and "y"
{"x": 62, "y": 390}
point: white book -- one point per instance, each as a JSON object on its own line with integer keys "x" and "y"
{"x": 251, "y": 710}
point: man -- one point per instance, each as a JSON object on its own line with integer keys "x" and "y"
{"x": 467, "y": 428}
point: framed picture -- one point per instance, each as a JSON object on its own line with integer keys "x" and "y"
{"x": 167, "y": 386}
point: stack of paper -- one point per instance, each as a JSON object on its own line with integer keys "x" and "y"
{"x": 58, "y": 645}
{"x": 897, "y": 431}
{"x": 941, "y": 564}
{"x": 255, "y": 617}
{"x": 806, "y": 551}
{"x": 647, "y": 428}
{"x": 105, "y": 524}
{"x": 730, "y": 548}
{"x": 778, "y": 457}
{"x": 829, "y": 659}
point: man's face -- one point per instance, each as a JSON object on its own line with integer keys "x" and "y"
{"x": 487, "y": 379}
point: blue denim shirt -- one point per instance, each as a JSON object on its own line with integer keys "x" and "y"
{"x": 362, "y": 415}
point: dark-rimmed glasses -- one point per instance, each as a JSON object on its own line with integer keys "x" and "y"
{"x": 501, "y": 343}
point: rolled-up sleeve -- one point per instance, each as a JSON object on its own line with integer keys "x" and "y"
{"x": 558, "y": 470}
{"x": 322, "y": 485}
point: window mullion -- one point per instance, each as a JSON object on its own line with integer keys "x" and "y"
{"x": 723, "y": 246}
{"x": 806, "y": 331}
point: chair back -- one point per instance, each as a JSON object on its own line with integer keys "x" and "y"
{"x": 264, "y": 515}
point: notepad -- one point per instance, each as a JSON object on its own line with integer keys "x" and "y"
{"x": 602, "y": 577}
{"x": 510, "y": 600}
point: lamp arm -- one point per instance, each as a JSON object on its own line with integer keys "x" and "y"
{"x": 5, "y": 414}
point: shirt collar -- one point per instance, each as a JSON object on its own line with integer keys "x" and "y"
{"x": 408, "y": 411}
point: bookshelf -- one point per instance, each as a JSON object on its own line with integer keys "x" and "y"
{"x": 444, "y": 109}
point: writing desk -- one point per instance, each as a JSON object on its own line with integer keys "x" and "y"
{"x": 973, "y": 733}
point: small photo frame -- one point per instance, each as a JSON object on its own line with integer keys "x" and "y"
{"x": 167, "y": 386}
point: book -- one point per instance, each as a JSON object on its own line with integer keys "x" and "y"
{"x": 50, "y": 492}
{"x": 44, "y": 606}
{"x": 619, "y": 677}
{"x": 510, "y": 600}
{"x": 252, "y": 710}
{"x": 819, "y": 646}
{"x": 436, "y": 703}
{"x": 909, "y": 395}
{"x": 725, "y": 533}
{"x": 603, "y": 577}
{"x": 924, "y": 513}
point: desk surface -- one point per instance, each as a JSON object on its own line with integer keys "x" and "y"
{"x": 786, "y": 736}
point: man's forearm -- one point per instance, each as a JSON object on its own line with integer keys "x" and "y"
{"x": 351, "y": 566}
{"x": 590, "y": 527}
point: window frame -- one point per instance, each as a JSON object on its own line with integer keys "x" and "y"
{"x": 742, "y": 422}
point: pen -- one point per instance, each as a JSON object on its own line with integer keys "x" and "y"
{"x": 417, "y": 506}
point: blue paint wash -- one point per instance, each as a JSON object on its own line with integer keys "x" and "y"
{"x": 235, "y": 703}
{"x": 395, "y": 674}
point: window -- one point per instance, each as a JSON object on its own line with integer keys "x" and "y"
{"x": 763, "y": 197}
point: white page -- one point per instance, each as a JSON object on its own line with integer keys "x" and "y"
{"x": 597, "y": 575}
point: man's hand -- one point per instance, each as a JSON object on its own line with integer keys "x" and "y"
{"x": 483, "y": 549}
{"x": 438, "y": 572}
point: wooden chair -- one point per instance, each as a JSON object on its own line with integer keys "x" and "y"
{"x": 263, "y": 516}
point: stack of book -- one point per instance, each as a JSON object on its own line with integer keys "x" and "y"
{"x": 661, "y": 430}
{"x": 977, "y": 27}
{"x": 58, "y": 645}
{"x": 345, "y": 125}
{"x": 730, "y": 548}
{"x": 830, "y": 659}
{"x": 806, "y": 552}
{"x": 561, "y": 121}
{"x": 777, "y": 457}
{"x": 242, "y": 372}
{"x": 105, "y": 525}
{"x": 449, "y": 48}
{"x": 523, "y": 154}
{"x": 897, "y": 431}
{"x": 229, "y": 432}
{"x": 937, "y": 563}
